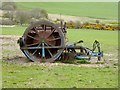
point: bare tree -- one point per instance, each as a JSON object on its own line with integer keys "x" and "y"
{"x": 35, "y": 13}
{"x": 22, "y": 17}
{"x": 9, "y": 15}
{"x": 38, "y": 13}
{"x": 8, "y": 8}
{"x": 10, "y": 5}
{"x": 44, "y": 14}
{"x": 6, "y": 22}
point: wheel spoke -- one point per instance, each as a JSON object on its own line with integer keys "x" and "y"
{"x": 44, "y": 27}
{"x": 32, "y": 44}
{"x": 32, "y": 37}
{"x": 50, "y": 44}
{"x": 34, "y": 29}
{"x": 50, "y": 53}
{"x": 49, "y": 50}
{"x": 51, "y": 33}
{"x": 46, "y": 44}
{"x": 54, "y": 39}
{"x": 36, "y": 49}
{"x": 43, "y": 50}
{"x": 34, "y": 52}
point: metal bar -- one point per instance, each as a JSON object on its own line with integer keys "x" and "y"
{"x": 32, "y": 44}
{"x": 49, "y": 50}
{"x": 60, "y": 47}
{"x": 32, "y": 37}
{"x": 34, "y": 52}
{"x": 54, "y": 39}
{"x": 40, "y": 28}
{"x": 43, "y": 50}
{"x": 51, "y": 32}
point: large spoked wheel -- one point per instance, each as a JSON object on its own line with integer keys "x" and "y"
{"x": 43, "y": 42}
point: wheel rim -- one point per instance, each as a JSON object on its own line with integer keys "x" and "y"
{"x": 40, "y": 35}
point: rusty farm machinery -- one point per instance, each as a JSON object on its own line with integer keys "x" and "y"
{"x": 44, "y": 41}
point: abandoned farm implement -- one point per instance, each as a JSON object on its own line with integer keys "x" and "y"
{"x": 44, "y": 41}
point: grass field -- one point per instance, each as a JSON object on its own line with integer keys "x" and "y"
{"x": 107, "y": 38}
{"x": 62, "y": 76}
{"x": 107, "y": 10}
{"x": 59, "y": 76}
{"x": 18, "y": 30}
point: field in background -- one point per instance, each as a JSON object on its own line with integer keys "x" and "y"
{"x": 105, "y": 10}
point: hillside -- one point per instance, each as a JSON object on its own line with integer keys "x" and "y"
{"x": 105, "y": 10}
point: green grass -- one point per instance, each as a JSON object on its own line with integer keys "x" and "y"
{"x": 89, "y": 35}
{"x": 37, "y": 76}
{"x": 91, "y": 9}
{"x": 17, "y": 30}
{"x": 106, "y": 38}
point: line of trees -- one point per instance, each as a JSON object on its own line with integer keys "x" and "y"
{"x": 11, "y": 15}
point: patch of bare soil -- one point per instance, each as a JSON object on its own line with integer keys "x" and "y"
{"x": 12, "y": 53}
{"x": 10, "y": 49}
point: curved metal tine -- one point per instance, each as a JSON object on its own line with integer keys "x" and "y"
{"x": 49, "y": 50}
{"x": 51, "y": 33}
{"x": 55, "y": 39}
{"x": 32, "y": 37}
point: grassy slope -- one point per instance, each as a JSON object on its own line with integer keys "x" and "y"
{"x": 91, "y": 9}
